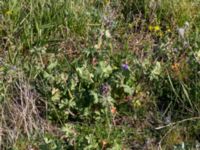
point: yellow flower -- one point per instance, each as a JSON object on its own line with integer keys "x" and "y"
{"x": 150, "y": 28}
{"x": 168, "y": 30}
{"x": 156, "y": 28}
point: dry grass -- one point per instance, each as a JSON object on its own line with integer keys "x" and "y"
{"x": 21, "y": 114}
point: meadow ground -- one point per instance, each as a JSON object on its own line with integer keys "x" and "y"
{"x": 99, "y": 74}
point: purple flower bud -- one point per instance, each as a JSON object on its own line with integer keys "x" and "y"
{"x": 125, "y": 66}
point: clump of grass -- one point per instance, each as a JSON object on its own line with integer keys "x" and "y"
{"x": 20, "y": 112}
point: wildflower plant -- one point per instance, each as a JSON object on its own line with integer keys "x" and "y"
{"x": 85, "y": 74}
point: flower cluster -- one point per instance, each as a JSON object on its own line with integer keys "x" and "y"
{"x": 105, "y": 89}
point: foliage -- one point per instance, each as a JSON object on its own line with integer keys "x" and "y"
{"x": 91, "y": 74}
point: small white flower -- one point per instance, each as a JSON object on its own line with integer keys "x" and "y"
{"x": 168, "y": 119}
{"x": 187, "y": 24}
{"x": 197, "y": 144}
{"x": 107, "y": 34}
{"x": 181, "y": 32}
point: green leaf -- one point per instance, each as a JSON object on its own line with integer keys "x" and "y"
{"x": 155, "y": 73}
{"x": 56, "y": 95}
{"x": 48, "y": 76}
{"x": 85, "y": 74}
{"x": 95, "y": 96}
{"x": 127, "y": 89}
{"x": 104, "y": 69}
{"x": 52, "y": 65}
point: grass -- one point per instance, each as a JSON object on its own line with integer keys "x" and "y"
{"x": 91, "y": 74}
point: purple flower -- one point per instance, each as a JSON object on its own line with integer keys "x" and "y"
{"x": 105, "y": 89}
{"x": 125, "y": 66}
